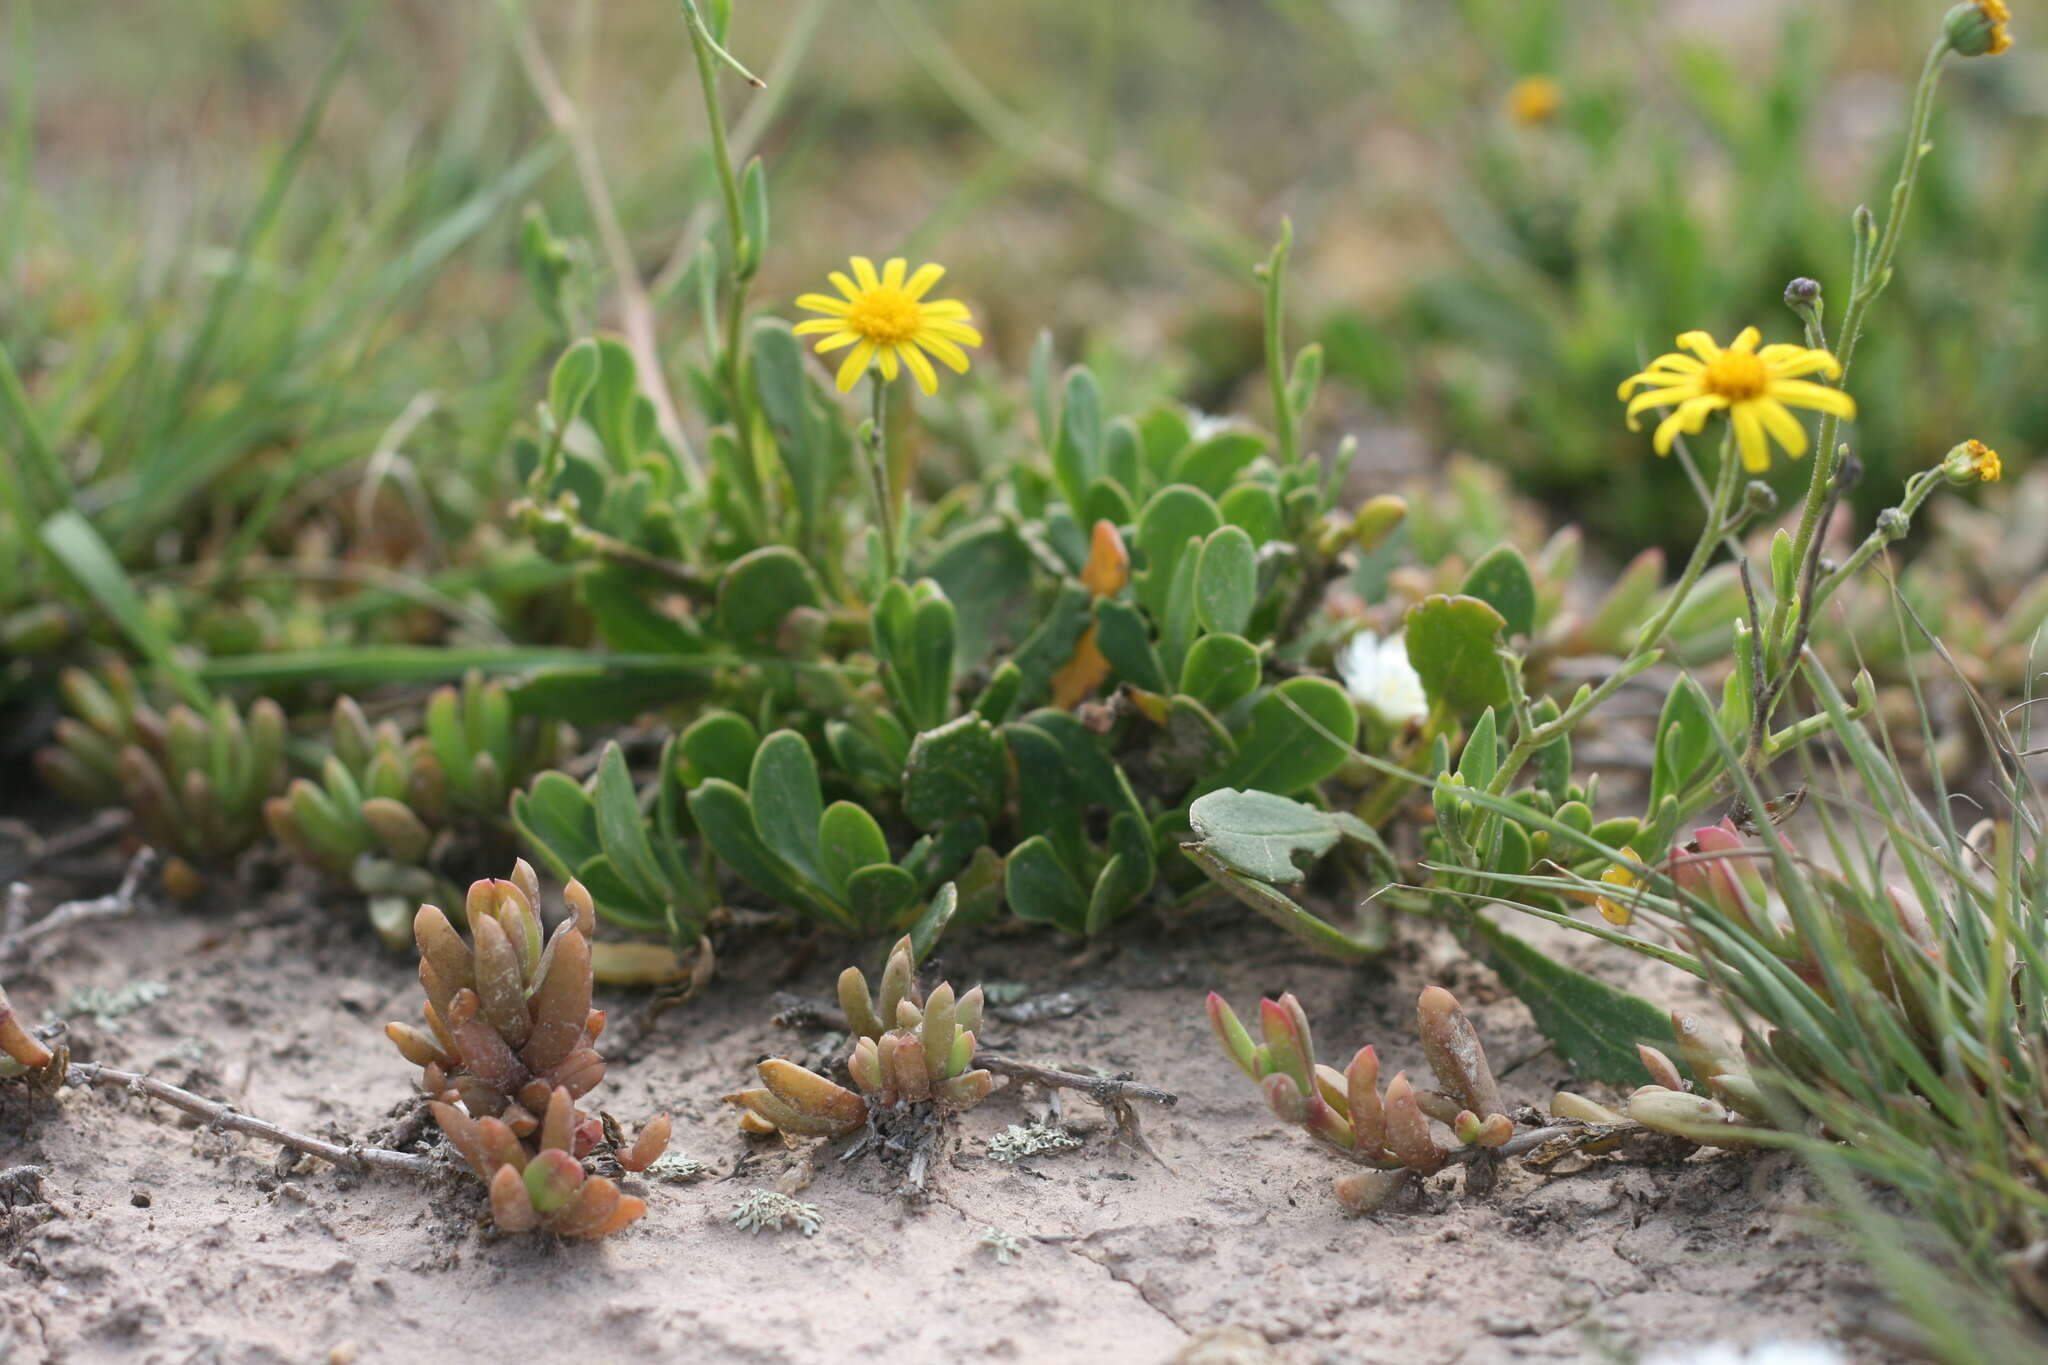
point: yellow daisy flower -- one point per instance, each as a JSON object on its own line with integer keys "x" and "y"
{"x": 888, "y": 321}
{"x": 1534, "y": 99}
{"x": 1757, "y": 388}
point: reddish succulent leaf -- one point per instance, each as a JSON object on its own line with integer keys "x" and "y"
{"x": 511, "y": 1209}
{"x": 561, "y": 1004}
{"x": 592, "y": 1207}
{"x": 552, "y": 1179}
{"x": 651, "y": 1143}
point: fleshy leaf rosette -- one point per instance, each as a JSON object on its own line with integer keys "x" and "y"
{"x": 1384, "y": 1128}
{"x": 510, "y": 1046}
{"x": 926, "y": 1056}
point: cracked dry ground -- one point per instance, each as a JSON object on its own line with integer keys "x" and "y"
{"x": 160, "y": 1241}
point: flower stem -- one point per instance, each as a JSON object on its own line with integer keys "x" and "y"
{"x": 738, "y": 270}
{"x": 1274, "y": 273}
{"x": 1868, "y": 282}
{"x": 878, "y": 474}
{"x": 1645, "y": 652}
{"x": 1892, "y": 525}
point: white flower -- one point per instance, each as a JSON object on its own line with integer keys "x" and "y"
{"x": 1377, "y": 674}
{"x": 1775, "y": 1352}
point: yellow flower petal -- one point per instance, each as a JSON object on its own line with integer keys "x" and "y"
{"x": 1801, "y": 393}
{"x": 836, "y": 340}
{"x": 854, "y": 366}
{"x": 1700, "y": 344}
{"x": 923, "y": 279}
{"x": 864, "y": 271}
{"x": 815, "y": 326}
{"x": 892, "y": 272}
{"x": 1746, "y": 339}
{"x": 951, "y": 309}
{"x": 1749, "y": 438}
{"x": 886, "y": 357}
{"x": 842, "y": 284}
{"x": 955, "y": 358}
{"x": 1779, "y": 421}
{"x": 1788, "y": 362}
{"x": 1688, "y": 417}
{"x": 921, "y": 369}
{"x": 952, "y": 331}
{"x": 1659, "y": 398}
{"x": 823, "y": 303}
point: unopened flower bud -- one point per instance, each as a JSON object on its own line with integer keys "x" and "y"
{"x": 1803, "y": 297}
{"x": 1977, "y": 28}
{"x": 1971, "y": 462}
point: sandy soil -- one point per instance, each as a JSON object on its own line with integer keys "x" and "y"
{"x": 155, "y": 1240}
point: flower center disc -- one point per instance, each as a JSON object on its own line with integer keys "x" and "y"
{"x": 884, "y": 316}
{"x": 1737, "y": 376}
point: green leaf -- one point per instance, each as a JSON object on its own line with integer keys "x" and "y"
{"x": 1221, "y": 670}
{"x": 1452, "y": 643}
{"x": 1213, "y": 464}
{"x": 759, "y": 589}
{"x": 929, "y": 926}
{"x": 1039, "y": 887}
{"x": 1594, "y": 1026}
{"x": 850, "y": 840}
{"x": 1227, "y": 581}
{"x": 1174, "y": 515}
{"x": 957, "y": 769}
{"x": 627, "y": 620}
{"x": 1122, "y": 460}
{"x": 726, "y": 818}
{"x": 611, "y": 403}
{"x": 1051, "y": 643}
{"x": 1481, "y": 757}
{"x": 1262, "y": 835}
{"x": 719, "y": 744}
{"x": 79, "y": 548}
{"x": 1301, "y": 732}
{"x": 572, "y": 382}
{"x": 879, "y": 894}
{"x": 1685, "y": 740}
{"x": 777, "y": 365}
{"x": 622, "y": 830}
{"x": 1281, "y": 909}
{"x": 783, "y": 788}
{"x": 985, "y": 571}
{"x": 1501, "y": 579}
{"x": 1077, "y": 446}
{"x": 753, "y": 216}
{"x": 559, "y": 823}
{"x": 1125, "y": 639}
{"x": 1180, "y": 621}
{"x": 1256, "y": 508}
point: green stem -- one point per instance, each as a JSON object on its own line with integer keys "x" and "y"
{"x": 878, "y": 474}
{"x": 738, "y": 270}
{"x": 1274, "y": 273}
{"x": 1868, "y": 283}
{"x": 1645, "y": 653}
{"x": 1892, "y": 525}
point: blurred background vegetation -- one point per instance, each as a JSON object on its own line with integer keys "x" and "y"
{"x": 233, "y": 351}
